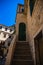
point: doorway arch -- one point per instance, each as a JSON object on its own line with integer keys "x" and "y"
{"x": 22, "y": 32}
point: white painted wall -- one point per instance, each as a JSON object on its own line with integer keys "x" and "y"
{"x": 3, "y": 29}
{"x": 8, "y": 30}
{"x": 2, "y": 38}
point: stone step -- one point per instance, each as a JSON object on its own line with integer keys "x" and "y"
{"x": 22, "y": 47}
{"x": 23, "y": 57}
{"x": 22, "y": 50}
{"x": 22, "y": 54}
{"x": 22, "y": 42}
{"x": 22, "y": 62}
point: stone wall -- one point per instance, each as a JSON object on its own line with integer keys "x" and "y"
{"x": 34, "y": 23}
{"x": 11, "y": 51}
{"x": 21, "y": 18}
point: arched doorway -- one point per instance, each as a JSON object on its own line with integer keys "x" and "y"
{"x": 22, "y": 32}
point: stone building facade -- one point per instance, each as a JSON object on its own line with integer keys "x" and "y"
{"x": 6, "y": 36}
{"x": 29, "y": 28}
{"x": 5, "y": 32}
{"x": 31, "y": 15}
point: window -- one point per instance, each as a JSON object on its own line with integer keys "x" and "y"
{"x": 32, "y": 2}
{"x": 9, "y": 36}
{"x": 4, "y": 35}
{"x": 0, "y": 27}
{"x": 3, "y": 43}
{"x": 22, "y": 9}
{"x": 8, "y": 43}
{"x": 5, "y": 29}
{"x": 10, "y": 30}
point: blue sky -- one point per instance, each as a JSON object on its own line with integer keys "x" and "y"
{"x": 8, "y": 11}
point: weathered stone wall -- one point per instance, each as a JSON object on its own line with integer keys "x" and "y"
{"x": 11, "y": 51}
{"x": 21, "y": 18}
{"x": 37, "y": 17}
{"x": 34, "y": 23}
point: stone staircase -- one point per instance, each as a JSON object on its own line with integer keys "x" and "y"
{"x": 22, "y": 54}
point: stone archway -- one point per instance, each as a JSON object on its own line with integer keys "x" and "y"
{"x": 22, "y": 32}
